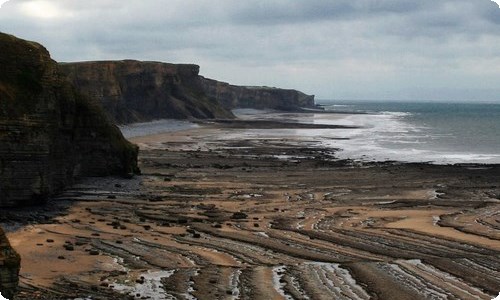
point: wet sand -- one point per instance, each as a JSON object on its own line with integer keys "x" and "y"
{"x": 216, "y": 215}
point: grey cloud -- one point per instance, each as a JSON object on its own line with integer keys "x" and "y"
{"x": 331, "y": 48}
{"x": 278, "y": 12}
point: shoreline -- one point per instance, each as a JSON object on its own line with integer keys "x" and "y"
{"x": 216, "y": 210}
{"x": 253, "y": 121}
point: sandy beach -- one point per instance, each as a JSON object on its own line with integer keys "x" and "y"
{"x": 221, "y": 213}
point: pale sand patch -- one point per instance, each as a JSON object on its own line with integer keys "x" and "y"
{"x": 424, "y": 221}
{"x": 214, "y": 257}
{"x": 184, "y": 137}
{"x": 264, "y": 279}
{"x": 217, "y": 258}
{"x": 41, "y": 265}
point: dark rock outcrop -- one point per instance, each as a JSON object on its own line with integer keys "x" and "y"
{"x": 232, "y": 96}
{"x": 9, "y": 267}
{"x": 49, "y": 133}
{"x": 134, "y": 91}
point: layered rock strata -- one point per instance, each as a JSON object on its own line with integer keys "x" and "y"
{"x": 49, "y": 133}
{"x": 232, "y": 96}
{"x": 134, "y": 91}
{"x": 9, "y": 267}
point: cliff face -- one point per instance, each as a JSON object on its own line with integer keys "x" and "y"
{"x": 9, "y": 267}
{"x": 49, "y": 133}
{"x": 133, "y": 91}
{"x": 232, "y": 96}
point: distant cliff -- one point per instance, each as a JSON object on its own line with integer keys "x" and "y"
{"x": 133, "y": 91}
{"x": 232, "y": 96}
{"x": 9, "y": 267}
{"x": 50, "y": 134}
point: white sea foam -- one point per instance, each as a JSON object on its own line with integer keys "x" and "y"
{"x": 234, "y": 283}
{"x": 390, "y": 137}
{"x": 383, "y": 136}
{"x": 151, "y": 287}
{"x": 278, "y": 285}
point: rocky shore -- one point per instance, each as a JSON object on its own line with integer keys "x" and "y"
{"x": 49, "y": 136}
{"x": 215, "y": 216}
{"x": 226, "y": 209}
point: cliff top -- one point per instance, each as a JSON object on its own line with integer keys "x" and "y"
{"x": 125, "y": 61}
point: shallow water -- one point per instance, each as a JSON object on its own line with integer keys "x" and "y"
{"x": 422, "y": 132}
{"x": 419, "y": 132}
{"x": 440, "y": 133}
{"x": 152, "y": 287}
{"x": 155, "y": 127}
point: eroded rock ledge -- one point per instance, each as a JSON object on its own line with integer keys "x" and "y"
{"x": 50, "y": 134}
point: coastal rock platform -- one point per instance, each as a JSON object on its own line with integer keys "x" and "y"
{"x": 215, "y": 216}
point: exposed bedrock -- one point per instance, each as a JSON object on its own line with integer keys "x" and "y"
{"x": 50, "y": 134}
{"x": 134, "y": 91}
{"x": 232, "y": 96}
{"x": 9, "y": 267}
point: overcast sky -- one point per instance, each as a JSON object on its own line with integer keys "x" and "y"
{"x": 335, "y": 49}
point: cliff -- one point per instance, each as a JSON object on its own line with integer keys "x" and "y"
{"x": 134, "y": 91}
{"x": 49, "y": 133}
{"x": 232, "y": 96}
{"x": 9, "y": 268}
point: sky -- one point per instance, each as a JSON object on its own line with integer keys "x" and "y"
{"x": 446, "y": 50}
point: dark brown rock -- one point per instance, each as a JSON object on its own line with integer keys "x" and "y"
{"x": 134, "y": 91}
{"x": 239, "y": 215}
{"x": 49, "y": 133}
{"x": 9, "y": 267}
{"x": 232, "y": 96}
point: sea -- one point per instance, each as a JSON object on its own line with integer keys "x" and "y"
{"x": 432, "y": 132}
{"x": 424, "y": 132}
